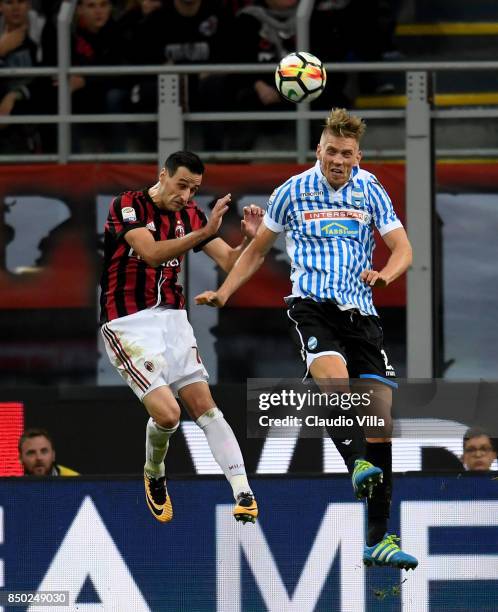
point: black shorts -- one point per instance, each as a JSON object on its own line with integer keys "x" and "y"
{"x": 321, "y": 328}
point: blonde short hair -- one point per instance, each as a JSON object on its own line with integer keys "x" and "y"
{"x": 341, "y": 123}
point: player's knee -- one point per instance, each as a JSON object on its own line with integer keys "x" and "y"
{"x": 168, "y": 416}
{"x": 200, "y": 405}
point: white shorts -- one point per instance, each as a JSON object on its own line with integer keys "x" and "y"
{"x": 154, "y": 347}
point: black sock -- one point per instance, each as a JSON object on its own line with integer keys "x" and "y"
{"x": 379, "y": 505}
{"x": 350, "y": 441}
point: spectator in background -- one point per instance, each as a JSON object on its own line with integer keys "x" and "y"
{"x": 263, "y": 33}
{"x": 140, "y": 94}
{"x": 21, "y": 31}
{"x": 96, "y": 41}
{"x": 133, "y": 16}
{"x": 478, "y": 450}
{"x": 184, "y": 32}
{"x": 37, "y": 455}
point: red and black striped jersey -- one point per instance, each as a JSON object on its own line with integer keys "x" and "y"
{"x": 128, "y": 284}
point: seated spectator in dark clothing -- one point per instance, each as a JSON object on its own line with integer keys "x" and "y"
{"x": 263, "y": 33}
{"x": 139, "y": 93}
{"x": 184, "y": 32}
{"x": 134, "y": 14}
{"x": 20, "y": 47}
{"x": 134, "y": 26}
{"x": 96, "y": 42}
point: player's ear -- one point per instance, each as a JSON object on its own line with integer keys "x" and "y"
{"x": 318, "y": 150}
{"x": 359, "y": 156}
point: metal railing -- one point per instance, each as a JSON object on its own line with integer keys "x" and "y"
{"x": 171, "y": 119}
{"x": 301, "y": 115}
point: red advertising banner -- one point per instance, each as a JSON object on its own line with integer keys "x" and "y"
{"x": 11, "y": 426}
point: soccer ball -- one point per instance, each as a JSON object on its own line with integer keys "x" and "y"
{"x": 300, "y": 77}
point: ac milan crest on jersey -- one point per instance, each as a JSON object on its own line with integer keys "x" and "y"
{"x": 179, "y": 230}
{"x": 128, "y": 283}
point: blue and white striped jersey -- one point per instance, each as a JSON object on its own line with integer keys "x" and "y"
{"x": 329, "y": 234}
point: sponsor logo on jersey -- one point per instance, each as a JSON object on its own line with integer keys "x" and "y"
{"x": 172, "y": 263}
{"x": 129, "y": 214}
{"x": 179, "y": 230}
{"x": 344, "y": 228}
{"x": 339, "y": 215}
{"x": 150, "y": 225}
{"x": 311, "y": 194}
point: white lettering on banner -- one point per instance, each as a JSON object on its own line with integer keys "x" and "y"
{"x": 416, "y": 519}
{"x": 88, "y": 551}
{"x": 276, "y": 455}
{"x": 32, "y": 218}
{"x": 202, "y": 458}
{"x": 232, "y": 540}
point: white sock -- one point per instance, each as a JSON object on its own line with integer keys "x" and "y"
{"x": 156, "y": 447}
{"x": 225, "y": 449}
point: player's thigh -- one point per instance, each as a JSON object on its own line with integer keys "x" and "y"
{"x": 197, "y": 399}
{"x": 162, "y": 406}
{"x": 136, "y": 350}
{"x": 329, "y": 367}
{"x": 181, "y": 352}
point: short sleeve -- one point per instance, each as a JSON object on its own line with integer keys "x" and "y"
{"x": 125, "y": 213}
{"x": 275, "y": 217}
{"x": 383, "y": 213}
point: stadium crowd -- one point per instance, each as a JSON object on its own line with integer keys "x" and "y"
{"x": 154, "y": 32}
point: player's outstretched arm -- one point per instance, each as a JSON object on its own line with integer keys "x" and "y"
{"x": 397, "y": 264}
{"x": 245, "y": 266}
{"x": 225, "y": 255}
{"x": 157, "y": 252}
